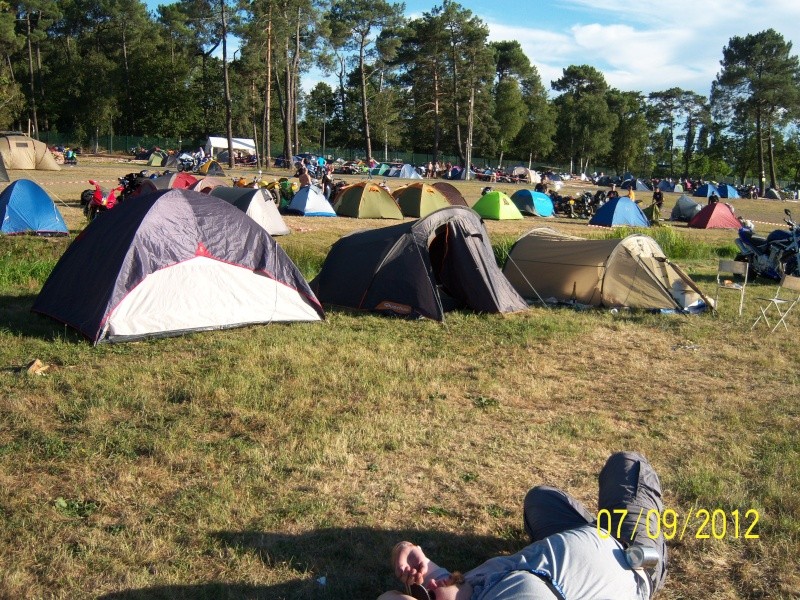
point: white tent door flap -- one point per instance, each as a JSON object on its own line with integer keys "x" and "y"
{"x": 203, "y": 293}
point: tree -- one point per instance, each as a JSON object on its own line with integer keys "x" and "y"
{"x": 364, "y": 20}
{"x": 421, "y": 57}
{"x": 631, "y": 134}
{"x": 535, "y": 139}
{"x": 511, "y": 65}
{"x": 759, "y": 82}
{"x": 471, "y": 70}
{"x": 584, "y": 123}
{"x": 679, "y": 110}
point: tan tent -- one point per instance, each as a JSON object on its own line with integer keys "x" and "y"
{"x": 630, "y": 272}
{"x": 23, "y": 152}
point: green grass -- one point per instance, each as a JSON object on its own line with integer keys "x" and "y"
{"x": 249, "y": 463}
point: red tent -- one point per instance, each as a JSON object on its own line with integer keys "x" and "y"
{"x": 715, "y": 216}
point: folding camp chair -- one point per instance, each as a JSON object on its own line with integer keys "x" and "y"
{"x": 732, "y": 275}
{"x": 781, "y": 299}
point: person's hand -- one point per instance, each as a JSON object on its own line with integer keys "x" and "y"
{"x": 410, "y": 563}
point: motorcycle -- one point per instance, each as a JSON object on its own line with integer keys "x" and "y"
{"x": 99, "y": 200}
{"x": 773, "y": 256}
{"x": 186, "y": 162}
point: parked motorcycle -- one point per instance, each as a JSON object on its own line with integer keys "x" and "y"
{"x": 186, "y": 162}
{"x": 774, "y": 255}
{"x": 98, "y": 200}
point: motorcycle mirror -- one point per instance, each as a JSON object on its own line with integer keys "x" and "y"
{"x": 787, "y": 212}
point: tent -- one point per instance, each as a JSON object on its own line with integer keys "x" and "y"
{"x": 727, "y": 191}
{"x": 409, "y": 172}
{"x": 23, "y": 152}
{"x": 215, "y": 145}
{"x": 619, "y": 212}
{"x": 685, "y": 208}
{"x": 678, "y": 188}
{"x": 706, "y": 190}
{"x": 496, "y": 206}
{"x": 533, "y": 203}
{"x": 256, "y": 204}
{"x": 309, "y": 201}
{"x": 3, "y": 173}
{"x": 772, "y": 194}
{"x": 26, "y": 208}
{"x": 524, "y": 174}
{"x": 715, "y": 216}
{"x": 366, "y": 200}
{"x": 665, "y": 186}
{"x": 158, "y": 158}
{"x": 170, "y": 263}
{"x": 454, "y": 197}
{"x": 629, "y": 272}
{"x": 420, "y": 268}
{"x": 381, "y": 169}
{"x": 171, "y": 162}
{"x": 637, "y": 184}
{"x": 206, "y": 184}
{"x": 181, "y": 180}
{"x": 419, "y": 199}
{"x": 212, "y": 168}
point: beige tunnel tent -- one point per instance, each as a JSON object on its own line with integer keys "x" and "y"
{"x": 614, "y": 273}
{"x": 23, "y": 152}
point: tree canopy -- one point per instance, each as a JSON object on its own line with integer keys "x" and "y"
{"x": 433, "y": 85}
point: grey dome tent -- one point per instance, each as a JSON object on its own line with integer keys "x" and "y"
{"x": 173, "y": 262}
{"x": 417, "y": 269}
{"x": 685, "y": 208}
{"x": 629, "y": 272}
{"x": 256, "y": 204}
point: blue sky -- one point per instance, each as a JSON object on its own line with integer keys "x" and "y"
{"x": 638, "y": 45}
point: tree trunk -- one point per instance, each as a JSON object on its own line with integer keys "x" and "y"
{"x": 296, "y": 85}
{"x": 226, "y": 80}
{"x": 470, "y": 120}
{"x": 266, "y": 128}
{"x": 773, "y": 179}
{"x": 32, "y": 86}
{"x": 126, "y": 69}
{"x": 456, "y": 111}
{"x": 760, "y": 149}
{"x": 437, "y": 128}
{"x": 364, "y": 108}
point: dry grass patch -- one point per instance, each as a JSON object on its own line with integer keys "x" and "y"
{"x": 250, "y": 463}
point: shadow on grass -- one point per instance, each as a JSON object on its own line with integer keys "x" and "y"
{"x": 354, "y": 563}
{"x": 16, "y": 318}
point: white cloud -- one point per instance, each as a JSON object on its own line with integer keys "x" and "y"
{"x": 646, "y": 46}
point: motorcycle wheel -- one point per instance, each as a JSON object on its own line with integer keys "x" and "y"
{"x": 751, "y": 272}
{"x": 792, "y": 267}
{"x": 180, "y": 167}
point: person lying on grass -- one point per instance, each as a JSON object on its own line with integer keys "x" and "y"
{"x": 569, "y": 558}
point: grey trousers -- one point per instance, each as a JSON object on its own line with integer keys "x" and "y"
{"x": 627, "y": 481}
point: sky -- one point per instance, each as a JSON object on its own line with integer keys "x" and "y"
{"x": 638, "y": 45}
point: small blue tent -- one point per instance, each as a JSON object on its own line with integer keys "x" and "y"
{"x": 620, "y": 212}
{"x": 665, "y": 186}
{"x": 26, "y": 208}
{"x": 706, "y": 190}
{"x": 727, "y": 191}
{"x": 310, "y": 202}
{"x": 533, "y": 203}
{"x": 637, "y": 184}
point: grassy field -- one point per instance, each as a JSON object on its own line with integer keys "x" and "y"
{"x": 284, "y": 461}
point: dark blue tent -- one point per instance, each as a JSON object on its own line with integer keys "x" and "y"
{"x": 706, "y": 190}
{"x": 727, "y": 191}
{"x": 637, "y": 184}
{"x": 665, "y": 186}
{"x": 533, "y": 203}
{"x": 26, "y": 208}
{"x": 620, "y": 212}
